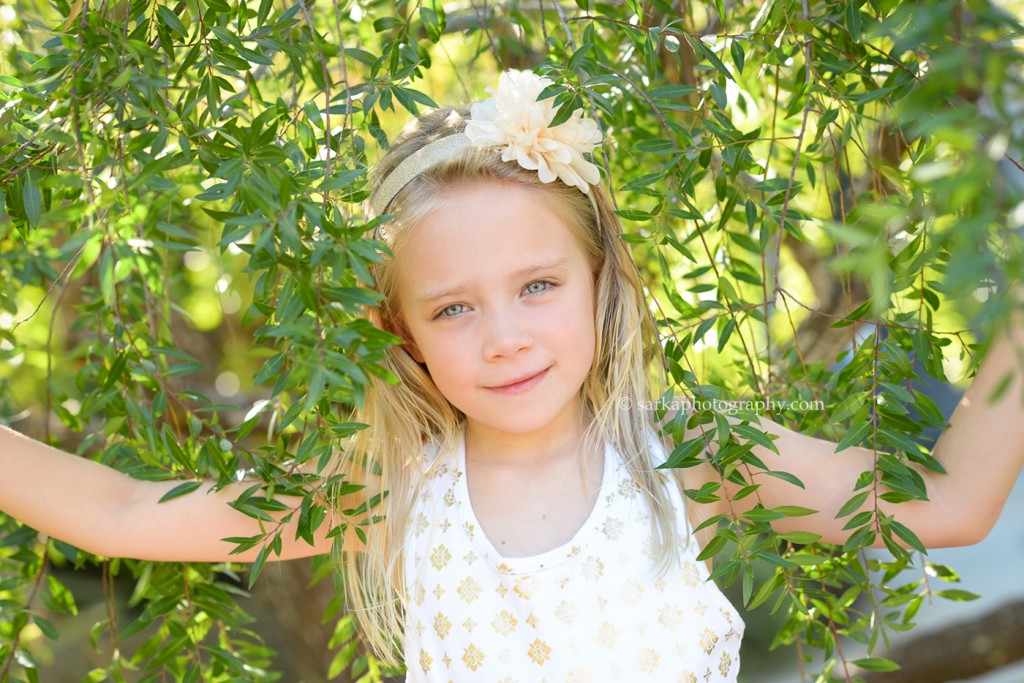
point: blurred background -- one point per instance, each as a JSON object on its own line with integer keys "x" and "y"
{"x": 176, "y": 178}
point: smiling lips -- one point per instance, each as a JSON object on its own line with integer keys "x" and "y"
{"x": 522, "y": 384}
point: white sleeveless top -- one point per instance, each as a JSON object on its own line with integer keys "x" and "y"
{"x": 593, "y": 609}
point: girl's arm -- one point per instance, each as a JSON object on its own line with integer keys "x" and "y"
{"x": 982, "y": 451}
{"x": 105, "y": 512}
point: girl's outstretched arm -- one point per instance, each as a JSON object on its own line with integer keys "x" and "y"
{"x": 982, "y": 451}
{"x": 105, "y": 512}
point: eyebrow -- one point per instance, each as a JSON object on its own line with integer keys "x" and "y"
{"x": 432, "y": 297}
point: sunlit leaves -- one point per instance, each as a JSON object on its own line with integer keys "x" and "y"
{"x": 175, "y": 173}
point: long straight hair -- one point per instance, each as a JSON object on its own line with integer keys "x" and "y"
{"x": 406, "y": 417}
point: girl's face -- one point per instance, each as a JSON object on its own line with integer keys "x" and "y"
{"x": 497, "y": 298}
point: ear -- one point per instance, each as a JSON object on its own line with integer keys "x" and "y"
{"x": 413, "y": 350}
{"x": 396, "y": 328}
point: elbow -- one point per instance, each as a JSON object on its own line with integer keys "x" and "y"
{"x": 980, "y": 529}
{"x": 970, "y": 527}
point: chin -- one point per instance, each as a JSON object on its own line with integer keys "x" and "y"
{"x": 520, "y": 422}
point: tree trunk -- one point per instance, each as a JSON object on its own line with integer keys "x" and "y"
{"x": 960, "y": 651}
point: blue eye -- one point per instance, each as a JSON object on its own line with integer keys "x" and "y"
{"x": 538, "y": 286}
{"x": 450, "y": 311}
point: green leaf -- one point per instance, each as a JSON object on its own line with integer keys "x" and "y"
{"x": 786, "y": 477}
{"x": 712, "y": 548}
{"x": 106, "y": 274}
{"x": 957, "y": 595}
{"x": 852, "y": 505}
{"x": 703, "y": 51}
{"x": 766, "y": 590}
{"x": 853, "y": 18}
{"x": 171, "y": 20}
{"x": 31, "y": 200}
{"x": 942, "y": 571}
{"x": 876, "y": 664}
{"x": 670, "y": 92}
{"x": 257, "y": 565}
{"x": 800, "y": 537}
{"x": 854, "y": 436}
{"x": 755, "y": 434}
{"x": 47, "y": 627}
{"x": 180, "y": 490}
{"x": 907, "y": 536}
{"x": 53, "y": 61}
{"x": 58, "y": 598}
{"x": 738, "y": 57}
{"x": 794, "y": 511}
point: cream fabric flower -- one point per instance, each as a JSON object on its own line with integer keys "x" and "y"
{"x": 514, "y": 120}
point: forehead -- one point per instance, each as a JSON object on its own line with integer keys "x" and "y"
{"x": 482, "y": 232}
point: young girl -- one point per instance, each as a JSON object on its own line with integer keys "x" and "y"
{"x": 527, "y": 534}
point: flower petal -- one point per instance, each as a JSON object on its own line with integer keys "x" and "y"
{"x": 514, "y": 119}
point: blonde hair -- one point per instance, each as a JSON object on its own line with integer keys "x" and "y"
{"x": 406, "y": 417}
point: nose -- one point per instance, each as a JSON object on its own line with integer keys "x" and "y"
{"x": 506, "y": 335}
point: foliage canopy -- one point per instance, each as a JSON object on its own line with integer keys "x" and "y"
{"x": 183, "y": 255}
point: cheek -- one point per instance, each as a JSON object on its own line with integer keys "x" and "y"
{"x": 444, "y": 356}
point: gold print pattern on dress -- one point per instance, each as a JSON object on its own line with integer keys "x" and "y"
{"x": 539, "y": 651}
{"x": 708, "y": 640}
{"x": 724, "y": 664}
{"x": 566, "y": 612}
{"x": 628, "y": 488}
{"x": 593, "y": 568}
{"x": 607, "y": 635}
{"x": 469, "y": 589}
{"x": 690, "y": 576}
{"x": 670, "y": 617}
{"x": 523, "y": 588}
{"x": 580, "y": 675}
{"x": 648, "y": 660}
{"x": 442, "y": 626}
{"x": 504, "y": 623}
{"x": 440, "y": 557}
{"x": 632, "y": 592}
{"x": 473, "y": 657}
{"x": 591, "y": 594}
{"x": 612, "y": 528}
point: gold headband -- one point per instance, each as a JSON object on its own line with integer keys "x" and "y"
{"x": 424, "y": 159}
{"x": 416, "y": 163}
{"x": 516, "y": 120}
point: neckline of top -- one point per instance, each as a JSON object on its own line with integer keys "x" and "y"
{"x": 548, "y": 558}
